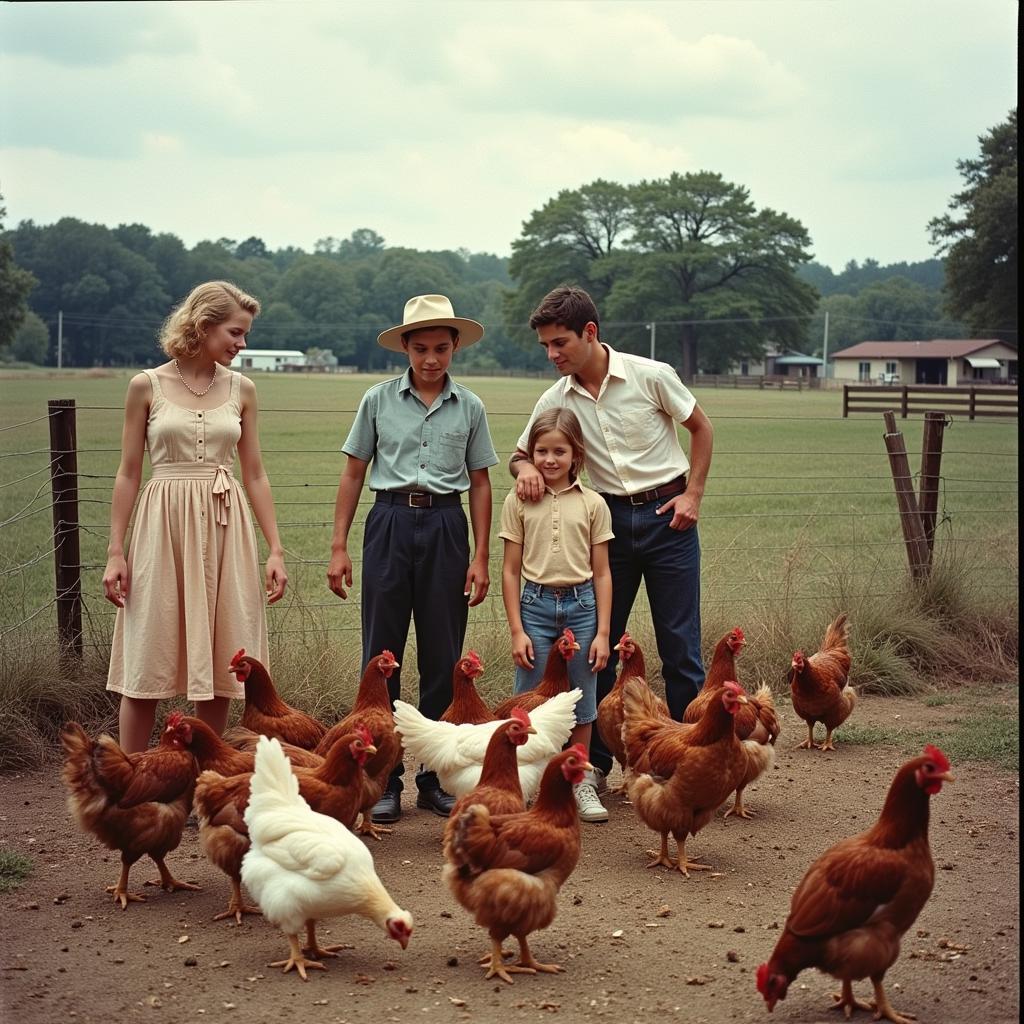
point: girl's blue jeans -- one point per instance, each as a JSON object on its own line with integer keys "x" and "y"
{"x": 546, "y": 612}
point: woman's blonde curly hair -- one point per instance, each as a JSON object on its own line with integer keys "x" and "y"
{"x": 210, "y": 303}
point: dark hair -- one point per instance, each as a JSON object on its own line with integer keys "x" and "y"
{"x": 566, "y": 422}
{"x": 407, "y": 335}
{"x": 568, "y": 306}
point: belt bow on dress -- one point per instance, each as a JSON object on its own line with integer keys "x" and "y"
{"x": 221, "y": 477}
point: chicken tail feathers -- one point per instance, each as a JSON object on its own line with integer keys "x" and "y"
{"x": 273, "y": 785}
{"x": 837, "y": 634}
{"x": 470, "y": 841}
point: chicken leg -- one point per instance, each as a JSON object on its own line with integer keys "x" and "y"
{"x": 167, "y": 881}
{"x": 496, "y": 968}
{"x": 883, "y": 1008}
{"x": 808, "y": 744}
{"x": 313, "y": 948}
{"x": 120, "y": 889}
{"x": 236, "y": 905}
{"x": 661, "y": 856}
{"x": 296, "y": 959}
{"x": 847, "y": 1002}
{"x": 828, "y": 744}
{"x": 737, "y": 808}
{"x": 527, "y": 961}
{"x": 682, "y": 863}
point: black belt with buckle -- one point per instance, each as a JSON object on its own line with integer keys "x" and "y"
{"x": 668, "y": 490}
{"x": 418, "y": 499}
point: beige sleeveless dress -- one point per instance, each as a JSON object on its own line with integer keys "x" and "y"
{"x": 195, "y": 593}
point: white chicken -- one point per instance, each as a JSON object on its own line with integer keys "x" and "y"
{"x": 456, "y": 752}
{"x": 303, "y": 866}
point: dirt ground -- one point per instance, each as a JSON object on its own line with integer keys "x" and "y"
{"x": 637, "y": 944}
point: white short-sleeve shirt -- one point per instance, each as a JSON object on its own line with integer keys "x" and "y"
{"x": 630, "y": 428}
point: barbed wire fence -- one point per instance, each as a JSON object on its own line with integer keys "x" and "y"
{"x": 964, "y": 507}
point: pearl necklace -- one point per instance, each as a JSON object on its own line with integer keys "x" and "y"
{"x": 198, "y": 394}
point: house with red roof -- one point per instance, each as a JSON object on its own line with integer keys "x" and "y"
{"x": 940, "y": 361}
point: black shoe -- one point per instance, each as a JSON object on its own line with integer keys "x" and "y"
{"x": 388, "y": 808}
{"x": 436, "y": 800}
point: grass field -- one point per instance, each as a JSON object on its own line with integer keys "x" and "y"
{"x": 799, "y": 518}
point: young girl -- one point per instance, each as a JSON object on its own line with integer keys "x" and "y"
{"x": 188, "y": 594}
{"x": 559, "y": 547}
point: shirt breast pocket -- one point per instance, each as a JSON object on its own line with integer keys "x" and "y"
{"x": 451, "y": 449}
{"x": 641, "y": 427}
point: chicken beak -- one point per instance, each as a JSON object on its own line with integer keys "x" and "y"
{"x": 742, "y": 699}
{"x": 370, "y": 749}
{"x": 588, "y": 767}
{"x": 946, "y": 777}
{"x": 617, "y": 647}
{"x": 576, "y": 646}
{"x": 396, "y": 664}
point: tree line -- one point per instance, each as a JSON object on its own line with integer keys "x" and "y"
{"x": 690, "y": 253}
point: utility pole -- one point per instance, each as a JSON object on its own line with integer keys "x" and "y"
{"x": 652, "y": 327}
{"x": 60, "y": 338}
{"x": 824, "y": 348}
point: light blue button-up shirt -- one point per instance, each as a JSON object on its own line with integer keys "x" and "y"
{"x": 413, "y": 448}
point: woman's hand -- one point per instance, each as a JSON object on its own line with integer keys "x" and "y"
{"x": 115, "y": 580}
{"x": 276, "y": 578}
{"x": 522, "y": 650}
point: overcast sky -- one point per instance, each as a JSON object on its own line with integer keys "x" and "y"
{"x": 442, "y": 125}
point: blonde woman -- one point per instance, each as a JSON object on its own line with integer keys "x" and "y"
{"x": 188, "y": 592}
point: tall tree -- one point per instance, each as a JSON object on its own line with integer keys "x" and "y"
{"x": 690, "y": 248}
{"x": 979, "y": 237}
{"x": 15, "y": 285}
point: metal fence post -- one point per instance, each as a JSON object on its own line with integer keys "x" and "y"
{"x": 66, "y": 550}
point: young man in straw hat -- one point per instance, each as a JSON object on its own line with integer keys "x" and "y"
{"x": 427, "y": 439}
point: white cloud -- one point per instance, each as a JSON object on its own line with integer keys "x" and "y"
{"x": 446, "y": 124}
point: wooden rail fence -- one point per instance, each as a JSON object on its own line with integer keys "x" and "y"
{"x": 910, "y": 399}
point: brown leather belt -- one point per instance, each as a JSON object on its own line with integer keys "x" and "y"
{"x": 668, "y": 490}
{"x": 418, "y": 499}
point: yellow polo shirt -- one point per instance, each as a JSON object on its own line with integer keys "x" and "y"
{"x": 557, "y": 533}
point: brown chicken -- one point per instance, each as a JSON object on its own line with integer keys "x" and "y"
{"x": 757, "y": 725}
{"x": 337, "y": 788}
{"x": 722, "y": 669}
{"x": 245, "y": 740}
{"x": 134, "y": 803}
{"x": 507, "y": 869}
{"x": 499, "y": 789}
{"x": 819, "y": 684}
{"x": 609, "y": 711}
{"x": 555, "y": 678}
{"x": 688, "y": 771}
{"x": 467, "y": 706}
{"x": 372, "y": 709}
{"x": 265, "y": 713}
{"x": 859, "y": 898}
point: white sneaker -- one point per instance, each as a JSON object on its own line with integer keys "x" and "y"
{"x": 588, "y": 803}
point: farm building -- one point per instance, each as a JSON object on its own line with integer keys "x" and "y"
{"x": 268, "y": 359}
{"x": 785, "y": 363}
{"x": 941, "y": 361}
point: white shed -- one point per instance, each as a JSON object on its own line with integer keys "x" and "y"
{"x": 268, "y": 359}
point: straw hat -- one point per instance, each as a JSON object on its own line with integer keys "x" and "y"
{"x": 430, "y": 311}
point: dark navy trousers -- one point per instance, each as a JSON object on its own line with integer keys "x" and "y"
{"x": 668, "y": 561}
{"x": 415, "y": 562}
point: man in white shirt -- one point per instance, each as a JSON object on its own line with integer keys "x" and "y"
{"x": 628, "y": 407}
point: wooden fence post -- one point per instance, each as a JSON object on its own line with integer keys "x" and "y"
{"x": 971, "y": 404}
{"x": 903, "y": 402}
{"x": 931, "y": 463}
{"x": 910, "y": 517}
{"x": 846, "y": 401}
{"x": 66, "y": 551}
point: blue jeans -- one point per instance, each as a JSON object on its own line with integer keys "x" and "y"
{"x": 546, "y": 611}
{"x": 646, "y": 547}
